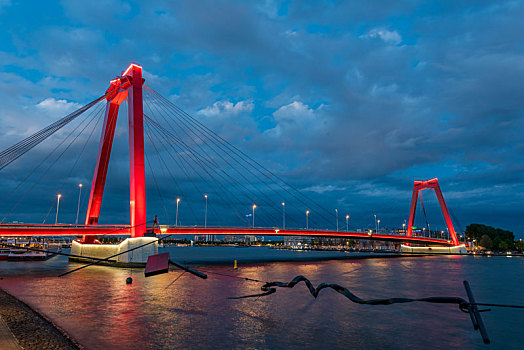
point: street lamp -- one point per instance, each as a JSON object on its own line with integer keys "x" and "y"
{"x": 283, "y": 215}
{"x": 307, "y": 219}
{"x": 78, "y": 207}
{"x": 376, "y": 226}
{"x": 176, "y": 217}
{"x": 254, "y": 207}
{"x": 205, "y": 215}
{"x": 347, "y": 223}
{"x": 57, "y": 206}
{"x": 336, "y": 212}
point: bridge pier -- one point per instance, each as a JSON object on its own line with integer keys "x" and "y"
{"x": 457, "y": 249}
{"x": 136, "y": 257}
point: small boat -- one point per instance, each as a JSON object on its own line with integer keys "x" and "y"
{"x": 16, "y": 250}
{"x": 20, "y": 254}
{"x": 4, "y": 253}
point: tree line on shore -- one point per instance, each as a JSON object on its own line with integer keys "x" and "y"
{"x": 492, "y": 238}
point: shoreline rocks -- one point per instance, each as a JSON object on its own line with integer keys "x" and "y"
{"x": 31, "y": 329}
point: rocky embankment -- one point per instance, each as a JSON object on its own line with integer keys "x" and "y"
{"x": 32, "y": 330}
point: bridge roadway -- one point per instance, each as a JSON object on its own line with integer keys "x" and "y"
{"x": 17, "y": 230}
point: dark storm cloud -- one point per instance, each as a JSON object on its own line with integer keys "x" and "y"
{"x": 348, "y": 99}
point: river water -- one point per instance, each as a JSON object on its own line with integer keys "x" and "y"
{"x": 100, "y": 311}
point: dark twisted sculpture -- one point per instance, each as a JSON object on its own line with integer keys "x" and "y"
{"x": 469, "y": 307}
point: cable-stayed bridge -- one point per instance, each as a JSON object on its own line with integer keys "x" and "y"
{"x": 185, "y": 162}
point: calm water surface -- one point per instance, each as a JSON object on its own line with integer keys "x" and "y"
{"x": 100, "y": 311}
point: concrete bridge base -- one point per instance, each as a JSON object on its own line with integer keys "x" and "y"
{"x": 459, "y": 249}
{"x": 136, "y": 257}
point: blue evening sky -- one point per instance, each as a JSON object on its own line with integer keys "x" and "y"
{"x": 352, "y": 100}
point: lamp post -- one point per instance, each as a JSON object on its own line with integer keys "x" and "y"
{"x": 307, "y": 219}
{"x": 57, "y": 206}
{"x": 336, "y": 214}
{"x": 404, "y": 227}
{"x": 283, "y": 215}
{"x": 205, "y": 215}
{"x": 347, "y": 223}
{"x": 78, "y": 207}
{"x": 254, "y": 207}
{"x": 376, "y": 226}
{"x": 176, "y": 216}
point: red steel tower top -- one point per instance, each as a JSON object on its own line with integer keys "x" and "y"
{"x": 128, "y": 86}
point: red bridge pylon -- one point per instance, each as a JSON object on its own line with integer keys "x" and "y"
{"x": 129, "y": 86}
{"x": 430, "y": 184}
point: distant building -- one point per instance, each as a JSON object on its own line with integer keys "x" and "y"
{"x": 200, "y": 238}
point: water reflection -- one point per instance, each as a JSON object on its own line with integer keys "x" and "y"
{"x": 99, "y": 310}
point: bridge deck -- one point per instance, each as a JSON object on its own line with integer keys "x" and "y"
{"x": 100, "y": 230}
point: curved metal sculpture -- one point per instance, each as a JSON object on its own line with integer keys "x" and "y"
{"x": 469, "y": 307}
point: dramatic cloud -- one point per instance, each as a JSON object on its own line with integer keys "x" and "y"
{"x": 57, "y": 107}
{"x": 297, "y": 122}
{"x": 392, "y": 37}
{"x": 226, "y": 107}
{"x": 348, "y": 101}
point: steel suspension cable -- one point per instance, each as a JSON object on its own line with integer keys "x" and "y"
{"x": 268, "y": 202}
{"x": 231, "y": 147}
{"x": 21, "y": 183}
{"x": 171, "y": 145}
{"x": 198, "y": 161}
{"x": 244, "y": 157}
{"x": 146, "y": 119}
{"x": 54, "y": 162}
{"x": 195, "y": 158}
{"x": 159, "y": 155}
{"x": 97, "y": 118}
{"x": 153, "y": 173}
{"x": 14, "y": 152}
